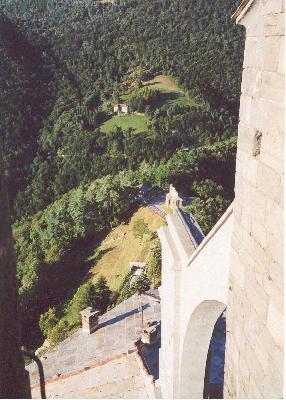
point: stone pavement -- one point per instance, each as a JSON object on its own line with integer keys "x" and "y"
{"x": 114, "y": 380}
{"x": 119, "y": 329}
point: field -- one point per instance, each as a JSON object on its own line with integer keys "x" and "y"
{"x": 171, "y": 92}
{"x": 163, "y": 82}
{"x": 120, "y": 247}
{"x": 135, "y": 121}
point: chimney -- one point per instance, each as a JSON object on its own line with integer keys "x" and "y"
{"x": 89, "y": 319}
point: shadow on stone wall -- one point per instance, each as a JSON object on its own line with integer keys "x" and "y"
{"x": 214, "y": 373}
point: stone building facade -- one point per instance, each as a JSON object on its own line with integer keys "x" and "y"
{"x": 237, "y": 270}
{"x": 254, "y": 351}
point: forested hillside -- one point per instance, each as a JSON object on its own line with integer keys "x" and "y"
{"x": 72, "y": 173}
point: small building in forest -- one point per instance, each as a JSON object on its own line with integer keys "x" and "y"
{"x": 121, "y": 108}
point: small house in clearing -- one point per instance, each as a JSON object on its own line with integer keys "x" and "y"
{"x": 121, "y": 108}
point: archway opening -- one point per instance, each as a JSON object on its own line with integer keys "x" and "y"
{"x": 214, "y": 371}
{"x": 202, "y": 329}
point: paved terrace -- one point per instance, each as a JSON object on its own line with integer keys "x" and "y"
{"x": 118, "y": 379}
{"x": 119, "y": 329}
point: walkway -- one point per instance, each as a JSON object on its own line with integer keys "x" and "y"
{"x": 119, "y": 379}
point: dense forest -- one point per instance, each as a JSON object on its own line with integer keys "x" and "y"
{"x": 63, "y": 64}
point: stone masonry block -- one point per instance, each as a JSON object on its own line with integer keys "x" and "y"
{"x": 274, "y": 219}
{"x": 238, "y": 187}
{"x": 258, "y": 231}
{"x": 244, "y": 377}
{"x": 275, "y": 324}
{"x": 237, "y": 210}
{"x": 250, "y": 80}
{"x": 232, "y": 350}
{"x": 272, "y": 7}
{"x": 261, "y": 354}
{"x": 238, "y": 269}
{"x": 261, "y": 272}
{"x": 272, "y": 86}
{"x": 275, "y": 275}
{"x": 246, "y": 219}
{"x": 256, "y": 294}
{"x": 245, "y": 109}
{"x": 274, "y": 25}
{"x": 271, "y": 153}
{"x": 253, "y": 54}
{"x": 254, "y": 28}
{"x": 257, "y": 373}
{"x": 258, "y": 205}
{"x": 273, "y": 385}
{"x": 269, "y": 182}
{"x": 273, "y": 291}
{"x": 270, "y": 347}
{"x": 237, "y": 332}
{"x": 281, "y": 63}
{"x": 276, "y": 360}
{"x": 235, "y": 242}
{"x": 246, "y": 166}
{"x": 251, "y": 245}
{"x": 271, "y": 53}
{"x": 255, "y": 392}
{"x": 246, "y": 259}
{"x": 275, "y": 248}
{"x": 252, "y": 326}
{"x": 245, "y": 139}
{"x": 267, "y": 116}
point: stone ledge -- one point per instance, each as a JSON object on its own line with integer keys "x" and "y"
{"x": 59, "y": 377}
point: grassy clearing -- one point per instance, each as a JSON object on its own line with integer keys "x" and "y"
{"x": 171, "y": 92}
{"x": 135, "y": 121}
{"x": 163, "y": 82}
{"x": 120, "y": 247}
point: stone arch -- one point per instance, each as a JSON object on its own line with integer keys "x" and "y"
{"x": 195, "y": 348}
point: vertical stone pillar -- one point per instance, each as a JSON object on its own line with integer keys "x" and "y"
{"x": 255, "y": 343}
{"x": 89, "y": 318}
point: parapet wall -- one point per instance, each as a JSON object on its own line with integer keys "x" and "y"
{"x": 254, "y": 354}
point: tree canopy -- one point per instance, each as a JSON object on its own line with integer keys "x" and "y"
{"x": 63, "y": 66}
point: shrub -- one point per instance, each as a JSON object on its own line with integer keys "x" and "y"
{"x": 103, "y": 294}
{"x": 140, "y": 284}
{"x": 58, "y": 333}
{"x": 131, "y": 285}
{"x": 140, "y": 228}
{"x": 84, "y": 297}
{"x": 48, "y": 320}
{"x": 154, "y": 265}
{"x": 124, "y": 289}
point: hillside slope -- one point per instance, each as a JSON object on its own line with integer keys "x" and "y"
{"x": 121, "y": 247}
{"x": 72, "y": 182}
{"x": 83, "y": 51}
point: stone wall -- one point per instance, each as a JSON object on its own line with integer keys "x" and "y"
{"x": 254, "y": 355}
{"x": 193, "y": 293}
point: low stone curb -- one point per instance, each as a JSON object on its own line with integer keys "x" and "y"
{"x": 59, "y": 377}
{"x": 149, "y": 379}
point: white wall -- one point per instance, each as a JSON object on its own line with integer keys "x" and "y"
{"x": 185, "y": 286}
